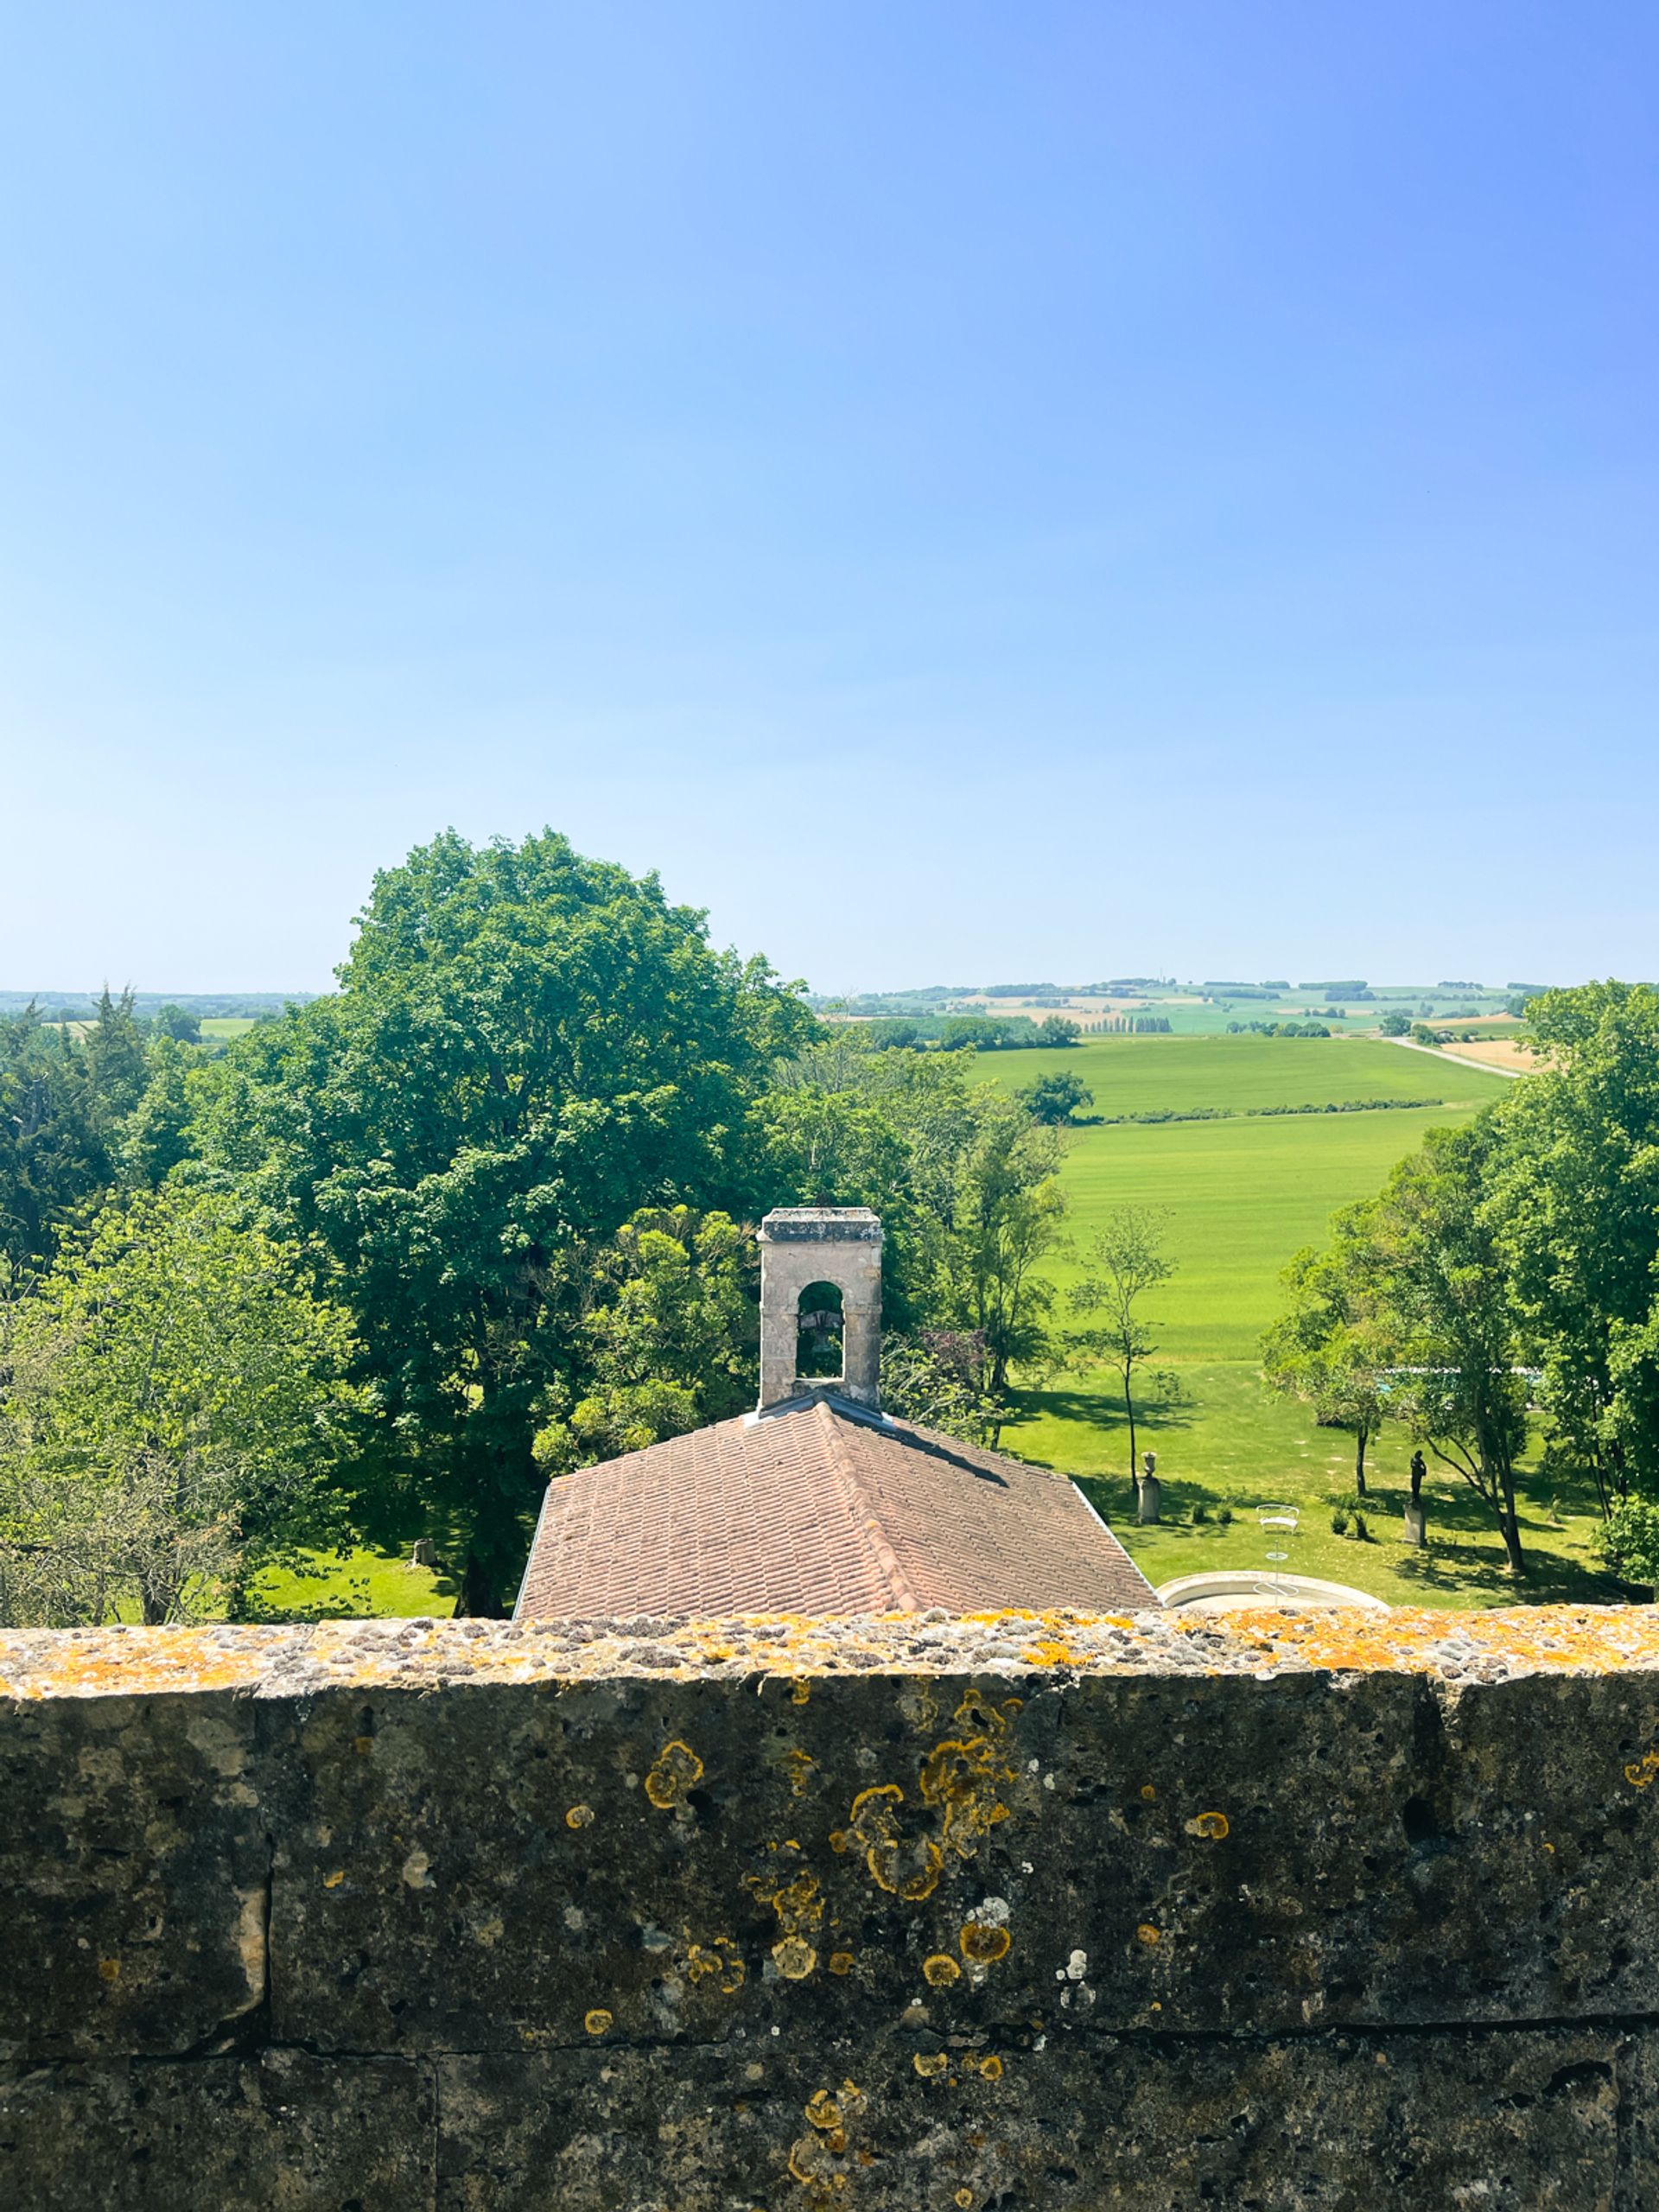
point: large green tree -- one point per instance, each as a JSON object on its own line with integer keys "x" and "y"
{"x": 54, "y": 1140}
{"x": 527, "y": 1047}
{"x": 670, "y": 1338}
{"x": 965, "y": 1182}
{"x": 1574, "y": 1204}
{"x": 1422, "y": 1263}
{"x": 1127, "y": 1259}
{"x": 172, "y": 1400}
{"x": 1327, "y": 1347}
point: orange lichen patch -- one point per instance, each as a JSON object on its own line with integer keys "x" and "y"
{"x": 332, "y": 1881}
{"x": 1146, "y": 1934}
{"x": 721, "y": 1958}
{"x": 814, "y": 2159}
{"x": 1148, "y": 1792}
{"x": 1581, "y": 1639}
{"x": 800, "y": 1764}
{"x": 1641, "y": 1773}
{"x": 841, "y": 1963}
{"x": 1214, "y": 1826}
{"x": 940, "y": 1971}
{"x": 363, "y": 1654}
{"x": 794, "y": 1958}
{"x": 962, "y": 1776}
{"x": 906, "y": 1868}
{"x": 109, "y": 1970}
{"x": 799, "y": 1903}
{"x": 827, "y": 2116}
{"x": 677, "y": 1771}
{"x": 929, "y": 2063}
{"x": 599, "y": 2022}
{"x": 579, "y": 1816}
{"x": 982, "y": 1944}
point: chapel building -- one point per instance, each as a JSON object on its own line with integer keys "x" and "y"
{"x": 817, "y": 1501}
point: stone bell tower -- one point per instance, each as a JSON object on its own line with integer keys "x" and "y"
{"x": 804, "y": 1245}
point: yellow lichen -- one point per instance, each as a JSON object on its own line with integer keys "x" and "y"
{"x": 964, "y": 2198}
{"x": 676, "y": 1773}
{"x": 1146, "y": 1934}
{"x": 599, "y": 2022}
{"x": 823, "y": 2111}
{"x": 1148, "y": 1792}
{"x": 579, "y": 1816}
{"x": 800, "y": 1693}
{"x": 332, "y": 1881}
{"x": 940, "y": 1971}
{"x": 1211, "y": 1825}
{"x": 908, "y": 1870}
{"x": 841, "y": 1963}
{"x": 981, "y": 1943}
{"x": 721, "y": 1958}
{"x": 109, "y": 1970}
{"x": 929, "y": 2063}
{"x": 794, "y": 1958}
{"x": 1641, "y": 1773}
{"x": 800, "y": 1764}
{"x": 990, "y": 2067}
{"x": 962, "y": 1776}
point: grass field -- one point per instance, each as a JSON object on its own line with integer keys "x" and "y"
{"x": 1139, "y": 1075}
{"x": 1242, "y": 1195}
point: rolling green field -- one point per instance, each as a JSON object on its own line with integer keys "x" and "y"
{"x": 1242, "y": 1195}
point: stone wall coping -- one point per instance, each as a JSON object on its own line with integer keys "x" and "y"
{"x": 1454, "y": 1648}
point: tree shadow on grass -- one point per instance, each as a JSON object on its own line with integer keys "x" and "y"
{"x": 1166, "y": 1410}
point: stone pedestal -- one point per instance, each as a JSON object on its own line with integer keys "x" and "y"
{"x": 1148, "y": 1498}
{"x": 1416, "y": 1523}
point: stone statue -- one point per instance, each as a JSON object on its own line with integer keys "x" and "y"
{"x": 1416, "y": 1514}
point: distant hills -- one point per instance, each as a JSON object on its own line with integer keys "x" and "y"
{"x": 81, "y": 1005}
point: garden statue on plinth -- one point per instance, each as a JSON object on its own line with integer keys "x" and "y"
{"x": 1416, "y": 1511}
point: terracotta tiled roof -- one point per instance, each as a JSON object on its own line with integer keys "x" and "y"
{"x": 820, "y": 1507}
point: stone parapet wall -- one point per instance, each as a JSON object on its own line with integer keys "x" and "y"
{"x": 1261, "y": 1910}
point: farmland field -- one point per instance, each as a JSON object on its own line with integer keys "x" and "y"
{"x": 1242, "y": 1194}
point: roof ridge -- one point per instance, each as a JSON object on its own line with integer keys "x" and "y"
{"x": 906, "y": 1598}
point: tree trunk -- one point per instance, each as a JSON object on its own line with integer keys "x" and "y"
{"x": 1128, "y": 1407}
{"x": 1510, "y": 1525}
{"x": 1359, "y": 1467}
{"x": 477, "y": 1599}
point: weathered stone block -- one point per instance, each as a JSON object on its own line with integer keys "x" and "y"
{"x": 135, "y": 1864}
{"x": 1504, "y": 2122}
{"x": 207, "y": 2135}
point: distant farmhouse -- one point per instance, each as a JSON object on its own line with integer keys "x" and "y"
{"x": 818, "y": 1502}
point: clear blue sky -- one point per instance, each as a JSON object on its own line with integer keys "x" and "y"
{"x": 966, "y": 491}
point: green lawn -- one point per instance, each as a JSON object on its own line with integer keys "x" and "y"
{"x": 1242, "y": 1195}
{"x": 1142, "y": 1075}
{"x": 355, "y": 1585}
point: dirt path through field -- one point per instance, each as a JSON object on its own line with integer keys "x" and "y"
{"x": 1466, "y": 1057}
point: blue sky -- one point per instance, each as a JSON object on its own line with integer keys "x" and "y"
{"x": 966, "y": 491}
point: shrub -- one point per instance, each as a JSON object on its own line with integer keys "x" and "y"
{"x": 1339, "y": 1522}
{"x": 1200, "y": 1514}
{"x": 1224, "y": 1516}
{"x": 1361, "y": 1534}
